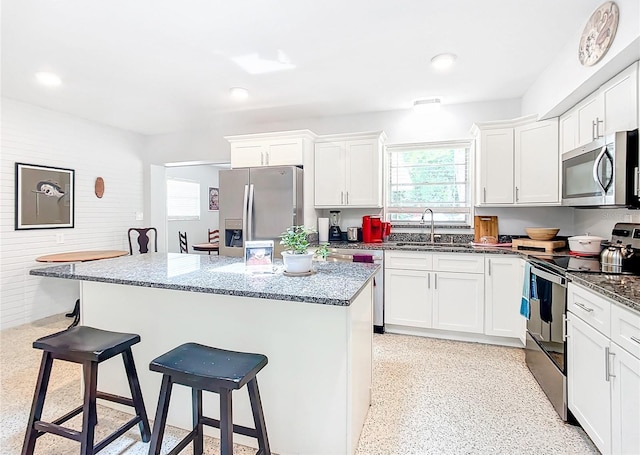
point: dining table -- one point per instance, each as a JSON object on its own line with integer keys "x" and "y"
{"x": 80, "y": 256}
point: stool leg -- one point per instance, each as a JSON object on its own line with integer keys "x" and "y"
{"x": 136, "y": 395}
{"x": 90, "y": 370}
{"x": 258, "y": 417}
{"x": 198, "y": 441}
{"x": 38, "y": 403}
{"x": 161, "y": 415}
{"x": 226, "y": 423}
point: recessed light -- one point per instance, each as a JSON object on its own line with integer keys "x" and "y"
{"x": 239, "y": 93}
{"x": 426, "y": 106}
{"x": 443, "y": 61}
{"x": 48, "y": 79}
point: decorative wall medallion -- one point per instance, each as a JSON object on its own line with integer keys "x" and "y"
{"x": 99, "y": 188}
{"x": 598, "y": 33}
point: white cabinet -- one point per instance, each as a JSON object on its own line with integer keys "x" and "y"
{"x": 348, "y": 170}
{"x": 518, "y": 162}
{"x": 603, "y": 370}
{"x": 286, "y": 148}
{"x": 422, "y": 291}
{"x": 503, "y": 291}
{"x": 613, "y": 107}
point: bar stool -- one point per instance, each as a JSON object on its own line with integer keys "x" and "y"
{"x": 87, "y": 346}
{"x": 214, "y": 370}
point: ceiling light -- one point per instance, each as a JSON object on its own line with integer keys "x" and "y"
{"x": 427, "y": 106}
{"x": 443, "y": 61}
{"x": 239, "y": 93}
{"x": 48, "y": 79}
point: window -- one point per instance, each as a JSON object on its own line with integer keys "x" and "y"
{"x": 433, "y": 175}
{"x": 183, "y": 199}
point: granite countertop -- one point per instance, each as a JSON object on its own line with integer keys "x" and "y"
{"x": 333, "y": 283}
{"x": 623, "y": 289}
{"x": 442, "y": 247}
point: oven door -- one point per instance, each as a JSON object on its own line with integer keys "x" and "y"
{"x": 587, "y": 176}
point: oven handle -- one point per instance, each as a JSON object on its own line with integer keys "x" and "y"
{"x": 557, "y": 279}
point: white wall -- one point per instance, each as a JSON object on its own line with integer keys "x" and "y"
{"x": 196, "y": 229}
{"x": 38, "y": 136}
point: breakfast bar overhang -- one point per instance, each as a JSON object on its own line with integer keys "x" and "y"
{"x": 316, "y": 332}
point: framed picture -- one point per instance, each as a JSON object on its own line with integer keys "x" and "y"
{"x": 44, "y": 197}
{"x": 213, "y": 199}
{"x": 258, "y": 256}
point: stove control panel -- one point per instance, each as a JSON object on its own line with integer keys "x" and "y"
{"x": 627, "y": 234}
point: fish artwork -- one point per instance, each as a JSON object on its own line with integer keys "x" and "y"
{"x": 50, "y": 189}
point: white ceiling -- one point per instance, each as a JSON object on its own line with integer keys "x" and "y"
{"x": 158, "y": 66}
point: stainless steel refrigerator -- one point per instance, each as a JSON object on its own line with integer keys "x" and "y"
{"x": 258, "y": 204}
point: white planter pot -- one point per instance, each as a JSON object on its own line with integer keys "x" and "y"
{"x": 297, "y": 263}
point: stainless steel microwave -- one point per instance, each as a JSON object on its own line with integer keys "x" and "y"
{"x": 603, "y": 173}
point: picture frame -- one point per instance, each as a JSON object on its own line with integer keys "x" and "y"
{"x": 44, "y": 197}
{"x": 214, "y": 203}
{"x": 258, "y": 256}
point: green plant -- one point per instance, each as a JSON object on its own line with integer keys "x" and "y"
{"x": 295, "y": 240}
{"x": 323, "y": 250}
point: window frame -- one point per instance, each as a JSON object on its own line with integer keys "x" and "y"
{"x": 191, "y": 217}
{"x": 468, "y": 209}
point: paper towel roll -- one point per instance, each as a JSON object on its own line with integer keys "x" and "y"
{"x": 323, "y": 230}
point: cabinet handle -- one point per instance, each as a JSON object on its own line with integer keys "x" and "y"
{"x": 593, "y": 130}
{"x": 607, "y": 367}
{"x": 435, "y": 280}
{"x": 584, "y": 307}
{"x": 517, "y": 193}
{"x": 564, "y": 327}
{"x": 341, "y": 198}
{"x": 347, "y": 198}
{"x": 428, "y": 281}
{"x": 598, "y": 122}
{"x": 484, "y": 194}
{"x": 489, "y": 264}
{"x": 267, "y": 153}
{"x": 261, "y": 159}
{"x": 635, "y": 339}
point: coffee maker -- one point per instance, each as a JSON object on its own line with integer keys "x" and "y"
{"x": 335, "y": 234}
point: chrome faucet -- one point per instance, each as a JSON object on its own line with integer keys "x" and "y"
{"x": 422, "y": 222}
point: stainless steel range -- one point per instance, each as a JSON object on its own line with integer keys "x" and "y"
{"x": 546, "y": 346}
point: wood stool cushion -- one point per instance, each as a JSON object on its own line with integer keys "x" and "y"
{"x": 86, "y": 343}
{"x": 216, "y": 367}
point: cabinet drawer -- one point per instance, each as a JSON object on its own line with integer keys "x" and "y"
{"x": 625, "y": 329}
{"x": 463, "y": 263}
{"x": 411, "y": 260}
{"x": 590, "y": 307}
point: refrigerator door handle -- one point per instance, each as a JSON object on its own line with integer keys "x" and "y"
{"x": 249, "y": 235}
{"x": 245, "y": 200}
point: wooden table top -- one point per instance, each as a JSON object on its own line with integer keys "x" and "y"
{"x": 82, "y": 256}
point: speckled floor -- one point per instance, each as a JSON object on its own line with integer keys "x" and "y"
{"x": 430, "y": 397}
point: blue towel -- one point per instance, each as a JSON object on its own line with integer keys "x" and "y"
{"x": 534, "y": 286}
{"x": 525, "y": 305}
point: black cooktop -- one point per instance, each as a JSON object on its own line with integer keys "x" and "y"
{"x": 569, "y": 263}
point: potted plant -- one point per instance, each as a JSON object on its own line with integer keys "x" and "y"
{"x": 296, "y": 257}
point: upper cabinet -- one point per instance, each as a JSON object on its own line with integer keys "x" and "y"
{"x": 613, "y": 107}
{"x": 348, "y": 170}
{"x": 518, "y": 162}
{"x": 287, "y": 148}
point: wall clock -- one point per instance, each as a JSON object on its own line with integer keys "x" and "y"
{"x": 598, "y": 33}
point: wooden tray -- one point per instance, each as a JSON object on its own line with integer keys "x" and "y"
{"x": 548, "y": 246}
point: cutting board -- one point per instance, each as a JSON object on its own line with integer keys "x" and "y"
{"x": 485, "y": 226}
{"x": 548, "y": 246}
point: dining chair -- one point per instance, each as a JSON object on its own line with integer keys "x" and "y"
{"x": 143, "y": 239}
{"x": 184, "y": 246}
{"x": 214, "y": 238}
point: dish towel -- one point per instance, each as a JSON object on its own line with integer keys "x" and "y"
{"x": 544, "y": 289}
{"x": 525, "y": 305}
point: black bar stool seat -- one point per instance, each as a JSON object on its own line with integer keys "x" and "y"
{"x": 214, "y": 370}
{"x": 87, "y": 346}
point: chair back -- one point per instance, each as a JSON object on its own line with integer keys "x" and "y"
{"x": 182, "y": 237}
{"x": 143, "y": 239}
{"x": 214, "y": 236}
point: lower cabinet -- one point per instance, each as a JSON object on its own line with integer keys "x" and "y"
{"x": 503, "y": 291}
{"x": 458, "y": 301}
{"x": 603, "y": 372}
{"x": 410, "y": 292}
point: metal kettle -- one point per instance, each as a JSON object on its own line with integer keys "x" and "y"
{"x": 613, "y": 256}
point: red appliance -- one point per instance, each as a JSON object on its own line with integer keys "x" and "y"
{"x": 372, "y": 229}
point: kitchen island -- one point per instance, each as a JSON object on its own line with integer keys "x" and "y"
{"x": 315, "y": 330}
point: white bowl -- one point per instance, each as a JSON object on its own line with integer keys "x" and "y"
{"x": 585, "y": 244}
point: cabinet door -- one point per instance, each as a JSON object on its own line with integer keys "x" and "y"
{"x": 286, "y": 152}
{"x": 590, "y": 119}
{"x": 329, "y": 174}
{"x": 251, "y": 154}
{"x": 363, "y": 174}
{"x": 503, "y": 292}
{"x": 458, "y": 302}
{"x": 496, "y": 166}
{"x": 620, "y": 101}
{"x": 408, "y": 298}
{"x": 536, "y": 163}
{"x": 625, "y": 402}
{"x": 568, "y": 132}
{"x": 589, "y": 390}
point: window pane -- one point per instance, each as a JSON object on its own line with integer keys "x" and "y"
{"x": 183, "y": 199}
